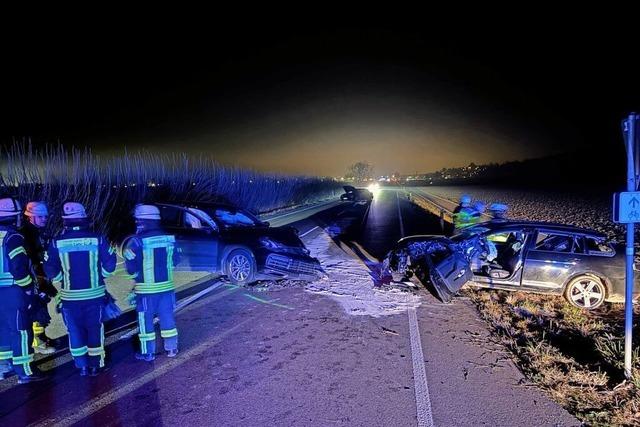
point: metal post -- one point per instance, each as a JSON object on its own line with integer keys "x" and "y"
{"x": 628, "y": 304}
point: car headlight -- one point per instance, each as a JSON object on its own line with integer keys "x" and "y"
{"x": 269, "y": 243}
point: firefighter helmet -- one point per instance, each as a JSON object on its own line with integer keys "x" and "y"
{"x": 9, "y": 207}
{"x": 73, "y": 210}
{"x": 36, "y": 209}
{"x": 146, "y": 212}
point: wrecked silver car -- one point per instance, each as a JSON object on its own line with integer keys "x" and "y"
{"x": 516, "y": 255}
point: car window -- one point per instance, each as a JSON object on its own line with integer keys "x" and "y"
{"x": 499, "y": 237}
{"x": 198, "y": 219}
{"x": 233, "y": 218}
{"x": 169, "y": 216}
{"x": 555, "y": 242}
{"x": 597, "y": 247}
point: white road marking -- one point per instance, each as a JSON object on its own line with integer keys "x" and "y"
{"x": 307, "y": 232}
{"x": 421, "y": 389}
{"x": 94, "y": 405}
{"x": 400, "y": 216}
{"x": 423, "y": 402}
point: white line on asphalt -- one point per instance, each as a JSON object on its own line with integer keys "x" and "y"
{"x": 400, "y": 216}
{"x": 423, "y": 402}
{"x": 307, "y": 232}
{"x": 94, "y": 405}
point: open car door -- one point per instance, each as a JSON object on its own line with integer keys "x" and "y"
{"x": 448, "y": 271}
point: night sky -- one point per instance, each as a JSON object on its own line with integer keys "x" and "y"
{"x": 409, "y": 96}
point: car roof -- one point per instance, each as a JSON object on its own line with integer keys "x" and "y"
{"x": 551, "y": 226}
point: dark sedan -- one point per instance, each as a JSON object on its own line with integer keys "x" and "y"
{"x": 224, "y": 239}
{"x": 353, "y": 194}
{"x": 542, "y": 257}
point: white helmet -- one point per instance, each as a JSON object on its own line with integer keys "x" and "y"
{"x": 498, "y": 208}
{"x": 36, "y": 209}
{"x": 73, "y": 210}
{"x": 465, "y": 199}
{"x": 9, "y": 207}
{"x": 146, "y": 212}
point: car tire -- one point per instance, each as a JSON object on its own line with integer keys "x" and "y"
{"x": 585, "y": 291}
{"x": 240, "y": 267}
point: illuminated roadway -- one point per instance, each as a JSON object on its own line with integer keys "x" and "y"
{"x": 289, "y": 357}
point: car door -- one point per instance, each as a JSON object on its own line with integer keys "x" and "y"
{"x": 551, "y": 257}
{"x": 197, "y": 241}
{"x": 510, "y": 248}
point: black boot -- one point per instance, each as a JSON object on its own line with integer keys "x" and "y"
{"x": 26, "y": 379}
{"x": 84, "y": 371}
{"x": 94, "y": 371}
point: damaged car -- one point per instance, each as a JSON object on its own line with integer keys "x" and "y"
{"x": 227, "y": 240}
{"x": 581, "y": 264}
{"x": 356, "y": 194}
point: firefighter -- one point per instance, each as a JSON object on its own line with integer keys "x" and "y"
{"x": 150, "y": 257}
{"x": 478, "y": 210}
{"x": 78, "y": 260}
{"x": 36, "y": 241}
{"x": 16, "y": 293}
{"x": 462, "y": 214}
{"x": 498, "y": 211}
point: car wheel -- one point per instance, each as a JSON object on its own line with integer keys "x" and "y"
{"x": 587, "y": 292}
{"x": 240, "y": 267}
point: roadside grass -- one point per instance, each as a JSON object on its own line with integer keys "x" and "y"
{"x": 109, "y": 187}
{"x": 574, "y": 355}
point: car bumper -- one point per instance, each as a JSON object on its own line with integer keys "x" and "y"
{"x": 288, "y": 267}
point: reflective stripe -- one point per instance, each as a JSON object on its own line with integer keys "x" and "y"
{"x": 158, "y": 241}
{"x": 129, "y": 254}
{"x": 17, "y": 251}
{"x": 58, "y": 278}
{"x": 21, "y": 360}
{"x": 26, "y": 357}
{"x": 6, "y": 355}
{"x": 112, "y": 250}
{"x": 64, "y": 257}
{"x": 24, "y": 281}
{"x": 38, "y": 328}
{"x": 80, "y": 351}
{"x": 95, "y": 351}
{"x": 3, "y": 234}
{"x": 148, "y": 271}
{"x": 169, "y": 333}
{"x": 147, "y": 337}
{"x": 93, "y": 267}
{"x": 143, "y": 342}
{"x": 105, "y": 273}
{"x": 82, "y": 294}
{"x": 78, "y": 244}
{"x": 170, "y": 262}
{"x": 153, "y": 288}
{"x": 102, "y": 345}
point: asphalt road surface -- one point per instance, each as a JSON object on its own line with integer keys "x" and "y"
{"x": 288, "y": 356}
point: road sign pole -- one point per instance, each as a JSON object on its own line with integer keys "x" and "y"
{"x": 629, "y": 127}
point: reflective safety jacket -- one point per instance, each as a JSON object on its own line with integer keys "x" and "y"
{"x": 14, "y": 262}
{"x": 463, "y": 217}
{"x": 80, "y": 259}
{"x": 150, "y": 257}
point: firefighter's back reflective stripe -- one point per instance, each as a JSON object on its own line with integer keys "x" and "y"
{"x": 149, "y": 244}
{"x": 81, "y": 244}
{"x": 6, "y": 279}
